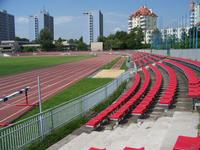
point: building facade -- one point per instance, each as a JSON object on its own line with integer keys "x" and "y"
{"x": 175, "y": 32}
{"x": 96, "y": 27}
{"x": 194, "y": 13}
{"x": 33, "y": 28}
{"x": 7, "y": 26}
{"x": 39, "y": 22}
{"x": 146, "y": 19}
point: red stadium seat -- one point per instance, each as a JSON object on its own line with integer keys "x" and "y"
{"x": 168, "y": 97}
{"x": 187, "y": 143}
{"x": 124, "y": 110}
{"x": 193, "y": 80}
{"x": 96, "y": 121}
{"x": 149, "y": 98}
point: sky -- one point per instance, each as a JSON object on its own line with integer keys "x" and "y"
{"x": 69, "y": 21}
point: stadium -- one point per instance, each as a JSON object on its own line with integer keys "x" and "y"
{"x": 100, "y": 75}
{"x": 153, "y": 104}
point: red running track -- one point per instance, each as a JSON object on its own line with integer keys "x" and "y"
{"x": 53, "y": 80}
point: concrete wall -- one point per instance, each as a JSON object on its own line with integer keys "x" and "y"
{"x": 184, "y": 53}
{"x": 97, "y": 46}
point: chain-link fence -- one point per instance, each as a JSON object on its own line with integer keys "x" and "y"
{"x": 33, "y": 128}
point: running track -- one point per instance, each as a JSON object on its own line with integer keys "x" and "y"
{"x": 53, "y": 80}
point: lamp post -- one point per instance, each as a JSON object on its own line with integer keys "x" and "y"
{"x": 197, "y": 40}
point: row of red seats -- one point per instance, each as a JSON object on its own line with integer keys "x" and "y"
{"x": 96, "y": 121}
{"x": 126, "y": 148}
{"x": 168, "y": 97}
{"x": 148, "y": 99}
{"x": 142, "y": 59}
{"x": 189, "y": 61}
{"x": 119, "y": 115}
{"x": 193, "y": 80}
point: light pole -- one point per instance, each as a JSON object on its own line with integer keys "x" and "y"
{"x": 40, "y": 108}
{"x": 196, "y": 28}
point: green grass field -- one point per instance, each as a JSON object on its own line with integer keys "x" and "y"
{"x": 124, "y": 67}
{"x": 111, "y": 64}
{"x": 14, "y": 65}
{"x": 80, "y": 88}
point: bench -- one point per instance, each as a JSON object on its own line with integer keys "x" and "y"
{"x": 168, "y": 97}
{"x": 124, "y": 110}
{"x": 96, "y": 121}
{"x": 148, "y": 99}
{"x": 193, "y": 80}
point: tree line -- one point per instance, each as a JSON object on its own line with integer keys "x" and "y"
{"x": 123, "y": 40}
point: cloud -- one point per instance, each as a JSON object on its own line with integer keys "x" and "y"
{"x": 116, "y": 14}
{"x": 112, "y": 22}
{"x": 22, "y": 20}
{"x": 116, "y": 29}
{"x": 63, "y": 19}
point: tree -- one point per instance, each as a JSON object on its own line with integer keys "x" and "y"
{"x": 46, "y": 39}
{"x": 21, "y": 39}
{"x": 101, "y": 39}
{"x": 59, "y": 44}
{"x": 135, "y": 39}
{"x": 123, "y": 40}
{"x": 81, "y": 45}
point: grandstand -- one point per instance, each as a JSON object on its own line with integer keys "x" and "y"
{"x": 157, "y": 112}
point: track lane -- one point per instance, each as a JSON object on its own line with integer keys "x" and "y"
{"x": 52, "y": 86}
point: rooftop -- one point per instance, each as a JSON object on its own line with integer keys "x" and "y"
{"x": 143, "y": 11}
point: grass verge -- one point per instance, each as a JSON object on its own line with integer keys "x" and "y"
{"x": 62, "y": 132}
{"x": 111, "y": 64}
{"x": 15, "y": 65}
{"x": 124, "y": 67}
{"x": 80, "y": 88}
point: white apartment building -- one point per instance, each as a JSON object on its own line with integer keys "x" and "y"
{"x": 146, "y": 19}
{"x": 176, "y": 32}
{"x": 194, "y": 13}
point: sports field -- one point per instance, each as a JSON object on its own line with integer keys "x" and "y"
{"x": 14, "y": 65}
{"x": 53, "y": 80}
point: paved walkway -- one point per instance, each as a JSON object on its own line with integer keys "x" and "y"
{"x": 153, "y": 135}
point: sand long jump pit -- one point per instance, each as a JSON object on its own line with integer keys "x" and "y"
{"x": 109, "y": 73}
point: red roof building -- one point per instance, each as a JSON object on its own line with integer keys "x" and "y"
{"x": 144, "y": 11}
{"x": 146, "y": 19}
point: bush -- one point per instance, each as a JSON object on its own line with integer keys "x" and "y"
{"x": 29, "y": 49}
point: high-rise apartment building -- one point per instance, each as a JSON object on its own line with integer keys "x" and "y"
{"x": 95, "y": 25}
{"x": 33, "y": 28}
{"x": 146, "y": 19}
{"x": 39, "y": 22}
{"x": 7, "y": 26}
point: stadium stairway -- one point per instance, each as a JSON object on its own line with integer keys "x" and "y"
{"x": 153, "y": 135}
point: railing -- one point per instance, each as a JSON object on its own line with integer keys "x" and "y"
{"x": 25, "y": 132}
